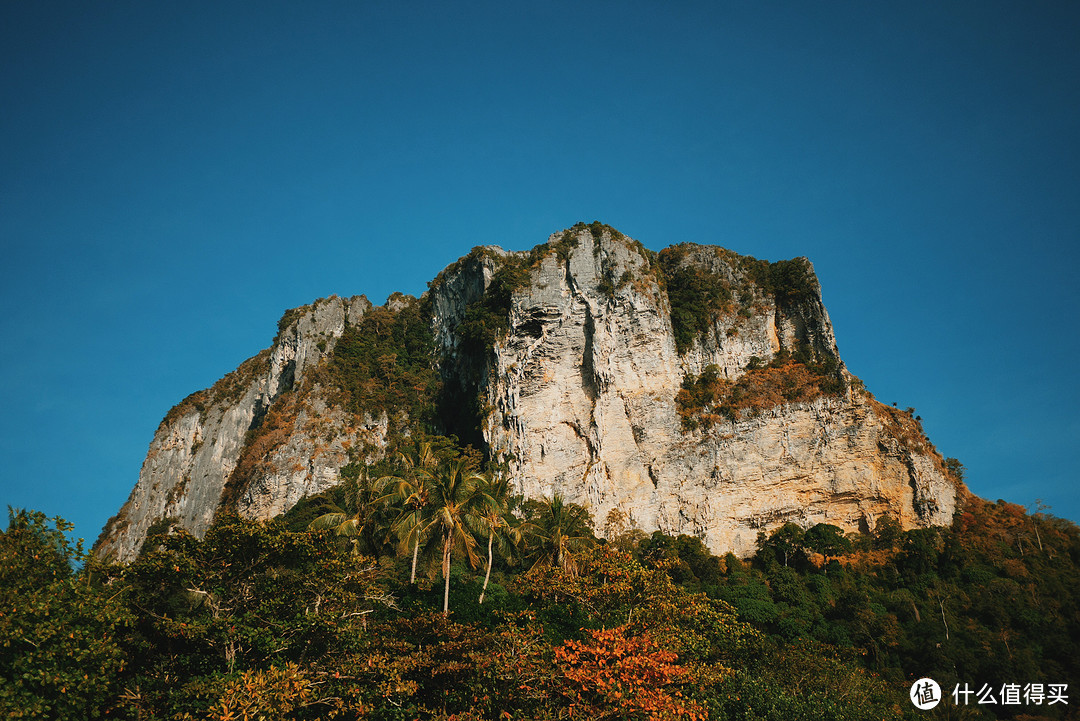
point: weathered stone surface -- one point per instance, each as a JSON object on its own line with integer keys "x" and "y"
{"x": 308, "y": 462}
{"x": 583, "y": 404}
{"x": 580, "y": 399}
{"x": 197, "y": 446}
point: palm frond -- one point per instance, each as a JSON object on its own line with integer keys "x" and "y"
{"x": 327, "y": 522}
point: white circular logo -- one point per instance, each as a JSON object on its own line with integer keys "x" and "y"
{"x": 925, "y": 694}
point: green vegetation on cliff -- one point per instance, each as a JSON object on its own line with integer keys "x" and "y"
{"x": 386, "y": 363}
{"x": 699, "y": 295}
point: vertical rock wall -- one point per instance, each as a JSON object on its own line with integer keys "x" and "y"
{"x": 199, "y": 443}
{"x": 577, "y": 395}
{"x": 582, "y": 403}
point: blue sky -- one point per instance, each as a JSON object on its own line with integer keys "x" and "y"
{"x": 173, "y": 176}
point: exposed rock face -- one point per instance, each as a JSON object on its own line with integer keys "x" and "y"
{"x": 583, "y": 396}
{"x": 199, "y": 444}
{"x": 579, "y": 396}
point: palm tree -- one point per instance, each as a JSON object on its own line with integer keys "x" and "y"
{"x": 456, "y": 505}
{"x": 411, "y": 490}
{"x": 559, "y": 530}
{"x": 354, "y": 515}
{"x": 495, "y": 520}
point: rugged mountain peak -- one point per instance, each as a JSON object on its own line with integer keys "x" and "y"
{"x": 199, "y": 442}
{"x": 695, "y": 391}
{"x": 692, "y": 390}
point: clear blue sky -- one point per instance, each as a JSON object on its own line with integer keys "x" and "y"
{"x": 173, "y": 176}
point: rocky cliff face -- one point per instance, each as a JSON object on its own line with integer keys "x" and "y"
{"x": 582, "y": 401}
{"x": 695, "y": 390}
{"x": 207, "y": 437}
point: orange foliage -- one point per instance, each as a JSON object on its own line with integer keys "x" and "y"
{"x": 276, "y": 429}
{"x": 710, "y": 399}
{"x": 1001, "y": 529}
{"x": 265, "y": 695}
{"x": 612, "y": 675}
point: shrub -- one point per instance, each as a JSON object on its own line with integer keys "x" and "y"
{"x": 709, "y": 399}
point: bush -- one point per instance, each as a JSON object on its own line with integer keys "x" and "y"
{"x": 708, "y": 398}
{"x": 60, "y": 656}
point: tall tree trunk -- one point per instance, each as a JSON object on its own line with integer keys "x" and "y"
{"x": 943, "y": 621}
{"x": 446, "y": 576}
{"x": 415, "y": 553}
{"x": 491, "y": 537}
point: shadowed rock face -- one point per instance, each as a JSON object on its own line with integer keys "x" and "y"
{"x": 578, "y": 395}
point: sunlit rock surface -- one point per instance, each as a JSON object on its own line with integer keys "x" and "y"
{"x": 579, "y": 398}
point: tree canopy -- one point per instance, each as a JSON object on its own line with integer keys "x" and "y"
{"x": 274, "y": 620}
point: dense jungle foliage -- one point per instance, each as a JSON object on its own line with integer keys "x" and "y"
{"x": 386, "y": 362}
{"x": 421, "y": 588}
{"x": 543, "y": 621}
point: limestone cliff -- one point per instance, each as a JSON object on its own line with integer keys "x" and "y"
{"x": 581, "y": 398}
{"x": 695, "y": 390}
{"x": 211, "y": 434}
